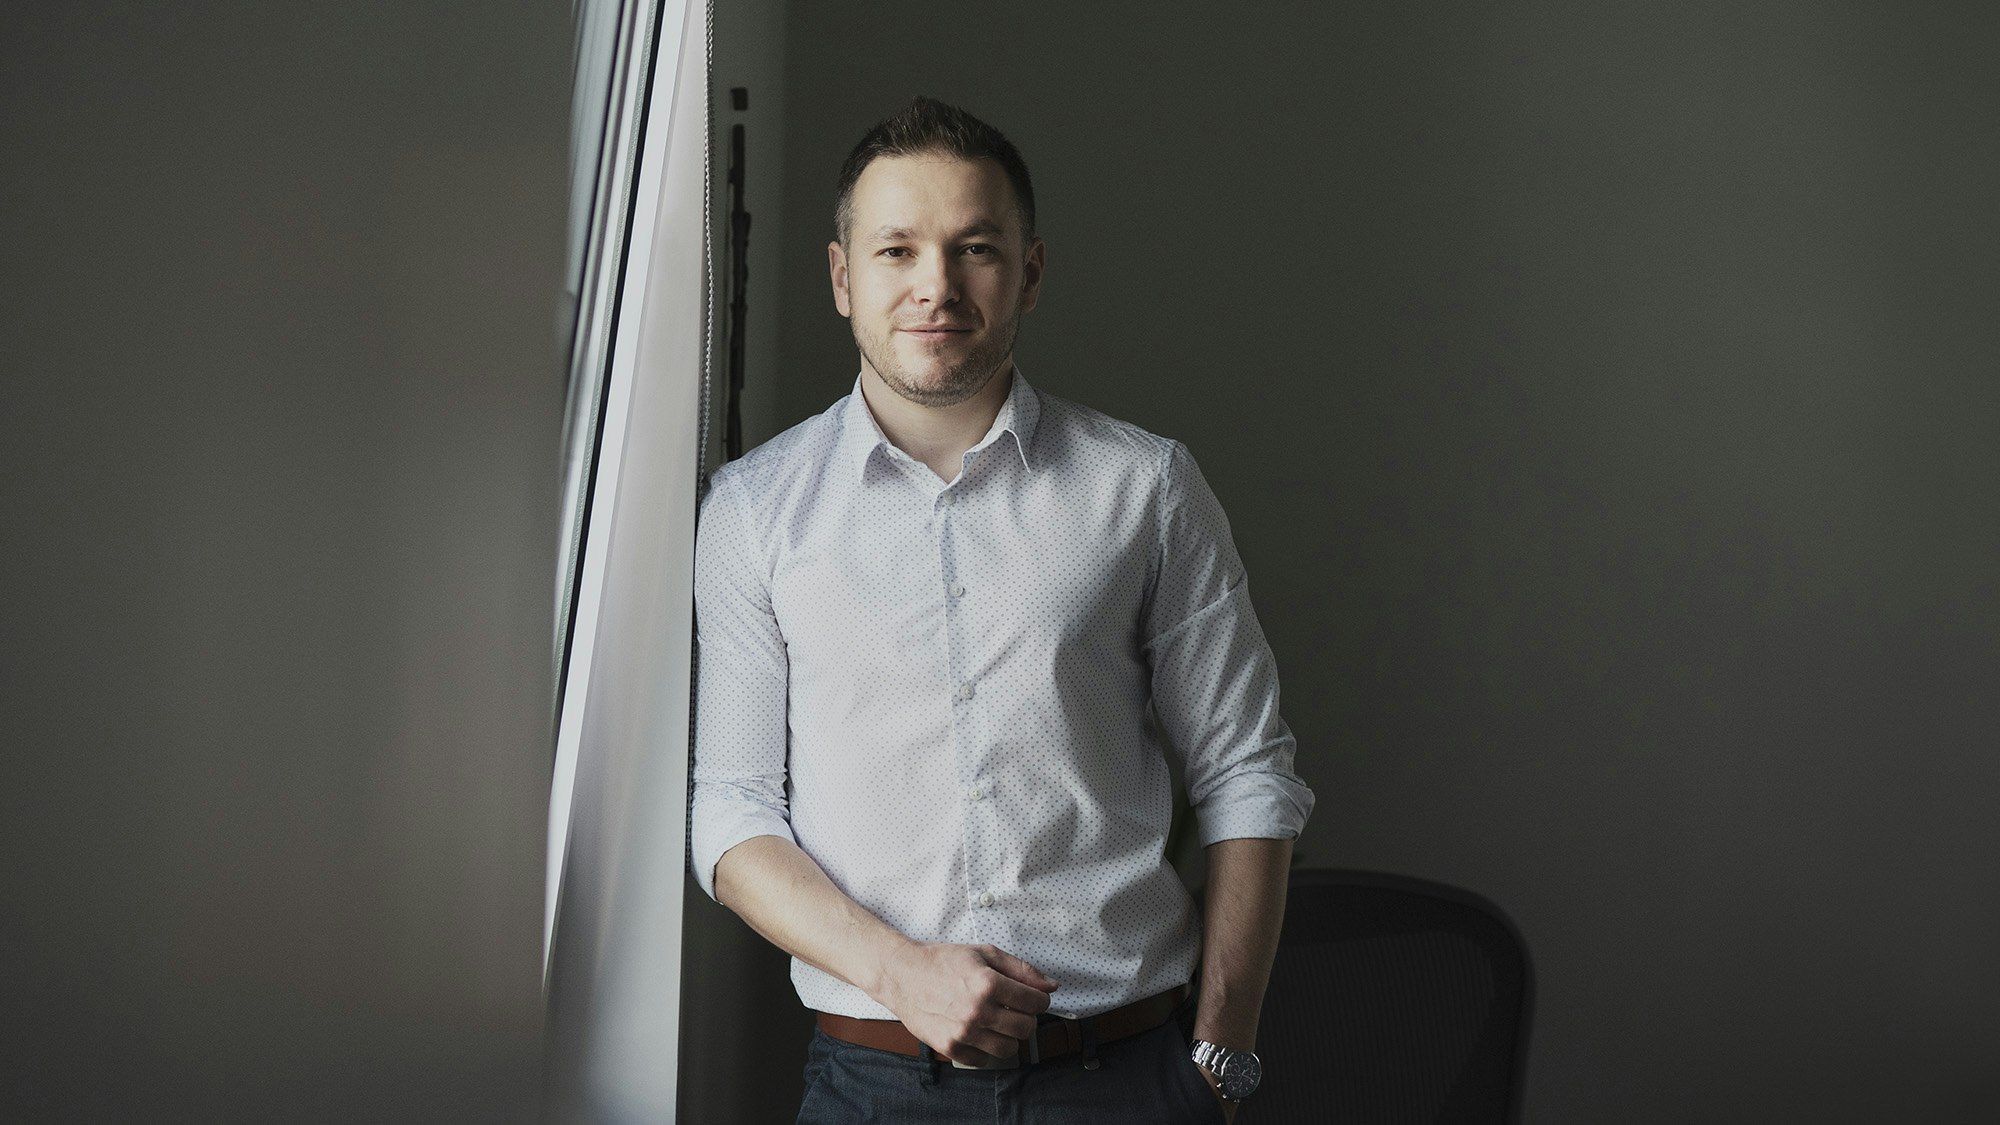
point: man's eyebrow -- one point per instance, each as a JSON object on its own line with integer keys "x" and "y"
{"x": 984, "y": 228}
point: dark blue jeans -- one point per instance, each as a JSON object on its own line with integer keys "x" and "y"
{"x": 1146, "y": 1079}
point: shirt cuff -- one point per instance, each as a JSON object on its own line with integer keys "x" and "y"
{"x": 1254, "y": 805}
{"x": 720, "y": 823}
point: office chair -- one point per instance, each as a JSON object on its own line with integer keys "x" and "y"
{"x": 1393, "y": 1000}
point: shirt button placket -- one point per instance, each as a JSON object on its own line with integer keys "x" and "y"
{"x": 977, "y": 862}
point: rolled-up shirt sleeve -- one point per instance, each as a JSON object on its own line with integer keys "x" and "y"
{"x": 741, "y": 684}
{"x": 1214, "y": 680}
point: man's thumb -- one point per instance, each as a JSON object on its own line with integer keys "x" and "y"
{"x": 1025, "y": 973}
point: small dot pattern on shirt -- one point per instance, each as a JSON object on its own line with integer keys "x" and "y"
{"x": 940, "y": 690}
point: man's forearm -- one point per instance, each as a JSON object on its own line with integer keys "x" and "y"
{"x": 778, "y": 889}
{"x": 971, "y": 1003}
{"x": 1245, "y": 908}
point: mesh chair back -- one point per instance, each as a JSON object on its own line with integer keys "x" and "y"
{"x": 1393, "y": 1001}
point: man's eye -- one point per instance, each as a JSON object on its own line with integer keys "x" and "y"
{"x": 894, "y": 252}
{"x": 978, "y": 249}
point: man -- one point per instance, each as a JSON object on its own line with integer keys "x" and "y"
{"x": 945, "y": 629}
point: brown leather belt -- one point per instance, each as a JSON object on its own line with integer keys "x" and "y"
{"x": 1055, "y": 1037}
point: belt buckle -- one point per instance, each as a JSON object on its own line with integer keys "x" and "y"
{"x": 1072, "y": 1026}
{"x": 1030, "y": 1046}
{"x": 997, "y": 1064}
{"x": 1073, "y": 1031}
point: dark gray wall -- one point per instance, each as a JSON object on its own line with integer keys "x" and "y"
{"x": 1604, "y": 397}
{"x": 737, "y": 1006}
{"x": 281, "y": 407}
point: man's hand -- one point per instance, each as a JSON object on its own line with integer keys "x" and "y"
{"x": 972, "y": 1003}
{"x": 1228, "y": 1107}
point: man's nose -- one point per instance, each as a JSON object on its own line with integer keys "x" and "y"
{"x": 936, "y": 282}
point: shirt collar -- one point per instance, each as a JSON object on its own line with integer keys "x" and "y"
{"x": 861, "y": 435}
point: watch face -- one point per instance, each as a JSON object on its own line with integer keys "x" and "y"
{"x": 1240, "y": 1074}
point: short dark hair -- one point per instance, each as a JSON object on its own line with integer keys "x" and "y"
{"x": 927, "y": 126}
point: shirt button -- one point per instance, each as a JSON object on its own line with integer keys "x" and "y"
{"x": 965, "y": 691}
{"x": 986, "y": 898}
{"x": 974, "y": 793}
{"x": 958, "y": 589}
{"x": 945, "y": 499}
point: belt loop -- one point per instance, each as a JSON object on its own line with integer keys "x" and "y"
{"x": 929, "y": 1076}
{"x": 1089, "y": 1030}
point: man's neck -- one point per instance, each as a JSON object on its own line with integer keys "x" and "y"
{"x": 936, "y": 435}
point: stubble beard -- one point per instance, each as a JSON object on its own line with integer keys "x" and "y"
{"x": 960, "y": 381}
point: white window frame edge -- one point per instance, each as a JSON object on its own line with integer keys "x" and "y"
{"x": 636, "y": 263}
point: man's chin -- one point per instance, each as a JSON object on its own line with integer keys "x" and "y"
{"x": 936, "y": 388}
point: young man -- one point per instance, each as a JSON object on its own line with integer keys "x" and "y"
{"x": 946, "y": 630}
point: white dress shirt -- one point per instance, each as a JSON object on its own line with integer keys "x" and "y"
{"x": 941, "y": 692}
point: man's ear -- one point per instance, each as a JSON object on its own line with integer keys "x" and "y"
{"x": 836, "y": 269}
{"x": 1031, "y": 274}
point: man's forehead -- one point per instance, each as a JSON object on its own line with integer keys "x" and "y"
{"x": 933, "y": 195}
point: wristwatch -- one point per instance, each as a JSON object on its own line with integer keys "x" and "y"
{"x": 1236, "y": 1072}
